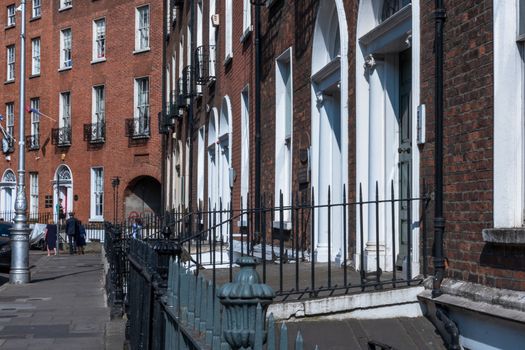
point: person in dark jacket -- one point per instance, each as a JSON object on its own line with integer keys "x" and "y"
{"x": 51, "y": 237}
{"x": 72, "y": 232}
{"x": 80, "y": 238}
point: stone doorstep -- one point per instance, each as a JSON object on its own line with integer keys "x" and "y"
{"x": 474, "y": 306}
{"x": 393, "y": 303}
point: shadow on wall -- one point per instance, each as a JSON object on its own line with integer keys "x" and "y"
{"x": 503, "y": 256}
{"x": 143, "y": 196}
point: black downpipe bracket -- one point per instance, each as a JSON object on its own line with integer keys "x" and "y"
{"x": 439, "y": 220}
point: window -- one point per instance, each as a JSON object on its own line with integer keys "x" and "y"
{"x": 10, "y": 118}
{"x": 64, "y": 4}
{"x": 65, "y": 110}
{"x": 11, "y": 63}
{"x": 36, "y": 11}
{"x": 99, "y": 39}
{"x": 98, "y": 104}
{"x": 247, "y": 18}
{"x": 141, "y": 125}
{"x": 200, "y": 169}
{"x": 35, "y": 121}
{"x": 65, "y": 48}
{"x": 35, "y": 55}
{"x": 228, "y": 53}
{"x": 97, "y": 193}
{"x": 142, "y": 28}
{"x": 33, "y": 195}
{"x": 390, "y": 7}
{"x": 10, "y": 15}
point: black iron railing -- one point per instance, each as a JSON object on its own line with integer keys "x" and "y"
{"x": 61, "y": 137}
{"x": 187, "y": 82}
{"x": 95, "y": 132}
{"x": 138, "y": 128}
{"x": 33, "y": 142}
{"x": 205, "y": 64}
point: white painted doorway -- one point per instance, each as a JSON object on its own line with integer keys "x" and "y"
{"x": 8, "y": 195}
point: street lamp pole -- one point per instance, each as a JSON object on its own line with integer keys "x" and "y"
{"x": 19, "y": 273}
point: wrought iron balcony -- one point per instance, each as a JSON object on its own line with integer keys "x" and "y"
{"x": 33, "y": 142}
{"x": 187, "y": 90}
{"x": 181, "y": 93}
{"x": 205, "y": 64}
{"x": 61, "y": 137}
{"x": 95, "y": 132}
{"x": 138, "y": 128}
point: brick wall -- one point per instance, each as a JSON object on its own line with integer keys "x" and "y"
{"x": 117, "y": 74}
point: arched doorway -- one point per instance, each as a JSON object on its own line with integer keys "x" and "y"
{"x": 63, "y": 189}
{"x": 7, "y": 195}
{"x": 387, "y": 93}
{"x": 142, "y": 197}
{"x": 329, "y": 123}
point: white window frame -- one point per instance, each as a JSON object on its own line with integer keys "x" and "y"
{"x": 33, "y": 195}
{"x": 283, "y": 129}
{"x": 99, "y": 40}
{"x": 35, "y": 56}
{"x": 228, "y": 45}
{"x": 10, "y": 118}
{"x": 200, "y": 168}
{"x": 35, "y": 117}
{"x": 246, "y": 19}
{"x": 11, "y": 15}
{"x": 141, "y": 103}
{"x": 98, "y": 104}
{"x": 11, "y": 57}
{"x": 65, "y": 110}
{"x": 66, "y": 45}
{"x": 65, "y": 4}
{"x": 97, "y": 194}
{"x": 36, "y": 8}
{"x": 142, "y": 28}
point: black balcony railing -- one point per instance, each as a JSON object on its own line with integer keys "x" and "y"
{"x": 95, "y": 132}
{"x": 187, "y": 90}
{"x": 205, "y": 64}
{"x": 165, "y": 122}
{"x": 33, "y": 142}
{"x": 61, "y": 137}
{"x": 138, "y": 128}
{"x": 181, "y": 99}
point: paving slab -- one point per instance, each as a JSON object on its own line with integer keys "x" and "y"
{"x": 62, "y": 308}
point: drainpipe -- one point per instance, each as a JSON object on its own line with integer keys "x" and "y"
{"x": 190, "y": 112}
{"x": 258, "y": 5}
{"x": 439, "y": 220}
{"x": 163, "y": 137}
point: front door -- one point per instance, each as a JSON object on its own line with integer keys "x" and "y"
{"x": 405, "y": 154}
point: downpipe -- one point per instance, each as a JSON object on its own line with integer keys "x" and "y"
{"x": 450, "y": 327}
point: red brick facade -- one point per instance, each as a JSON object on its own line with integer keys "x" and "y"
{"x": 118, "y": 155}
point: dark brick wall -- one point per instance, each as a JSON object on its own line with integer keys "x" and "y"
{"x": 117, "y": 156}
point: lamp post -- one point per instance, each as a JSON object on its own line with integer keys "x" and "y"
{"x": 115, "y": 182}
{"x": 19, "y": 273}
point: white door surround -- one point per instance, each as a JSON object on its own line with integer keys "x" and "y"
{"x": 329, "y": 123}
{"x": 65, "y": 191}
{"x": 7, "y": 195}
{"x": 379, "y": 43}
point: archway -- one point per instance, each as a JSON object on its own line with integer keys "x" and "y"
{"x": 7, "y": 195}
{"x": 329, "y": 123}
{"x": 142, "y": 197}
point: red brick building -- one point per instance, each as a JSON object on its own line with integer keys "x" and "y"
{"x": 93, "y": 71}
{"x": 347, "y": 106}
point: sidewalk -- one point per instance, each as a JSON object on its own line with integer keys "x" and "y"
{"x": 62, "y": 308}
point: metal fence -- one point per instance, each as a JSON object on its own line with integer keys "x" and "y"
{"x": 168, "y": 306}
{"x": 368, "y": 244}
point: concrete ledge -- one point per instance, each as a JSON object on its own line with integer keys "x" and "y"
{"x": 508, "y": 299}
{"x": 375, "y": 305}
{"x": 474, "y": 306}
{"x": 504, "y": 235}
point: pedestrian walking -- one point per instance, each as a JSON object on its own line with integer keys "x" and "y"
{"x": 136, "y": 228}
{"x": 71, "y": 231}
{"x": 80, "y": 239}
{"x": 51, "y": 235}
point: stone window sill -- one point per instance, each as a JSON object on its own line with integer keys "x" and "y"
{"x": 504, "y": 235}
